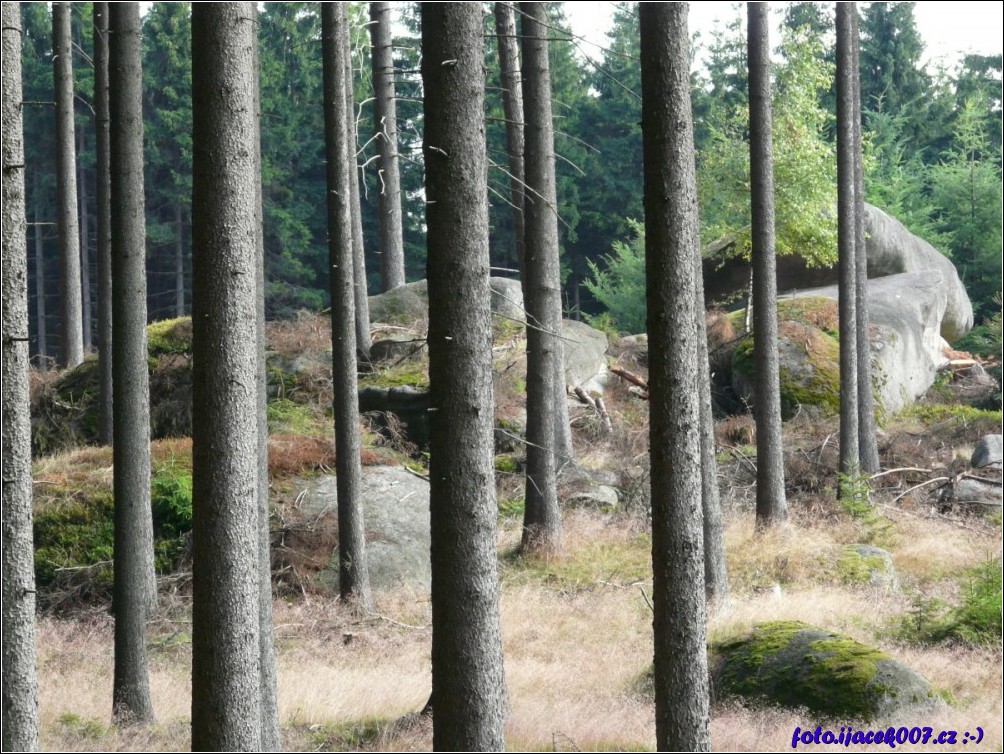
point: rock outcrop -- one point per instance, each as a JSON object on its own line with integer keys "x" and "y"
{"x": 790, "y": 664}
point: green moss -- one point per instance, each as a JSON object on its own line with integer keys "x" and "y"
{"x": 287, "y": 417}
{"x": 511, "y": 507}
{"x": 792, "y": 664}
{"x": 809, "y": 368}
{"x": 936, "y": 413}
{"x": 854, "y": 568}
{"x": 406, "y": 373}
{"x": 506, "y": 463}
{"x": 169, "y": 336}
{"x": 77, "y": 727}
{"x": 75, "y": 534}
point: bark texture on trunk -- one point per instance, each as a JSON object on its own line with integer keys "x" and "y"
{"x": 102, "y": 142}
{"x": 468, "y": 683}
{"x": 41, "y": 319}
{"x": 226, "y": 619}
{"x": 71, "y": 341}
{"x": 85, "y": 250}
{"x": 542, "y": 530}
{"x": 771, "y": 504}
{"x": 20, "y": 690}
{"x": 846, "y": 242}
{"x": 385, "y": 117}
{"x": 867, "y": 440}
{"x": 271, "y": 737}
{"x": 353, "y": 574}
{"x": 135, "y": 591}
{"x": 512, "y": 107}
{"x": 672, "y": 240}
{"x": 360, "y": 290}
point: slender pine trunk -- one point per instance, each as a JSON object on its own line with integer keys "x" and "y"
{"x": 388, "y": 177}
{"x": 353, "y": 574}
{"x": 846, "y": 241}
{"x": 85, "y": 250}
{"x": 671, "y": 244}
{"x": 867, "y": 440}
{"x": 226, "y": 499}
{"x": 771, "y": 504}
{"x": 41, "y": 320}
{"x": 104, "y": 219}
{"x": 542, "y": 530}
{"x": 468, "y": 682}
{"x": 71, "y": 345}
{"x": 179, "y": 262}
{"x": 512, "y": 107}
{"x": 20, "y": 691}
{"x": 135, "y": 592}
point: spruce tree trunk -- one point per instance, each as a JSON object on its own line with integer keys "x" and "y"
{"x": 135, "y": 592}
{"x": 468, "y": 683}
{"x": 512, "y": 107}
{"x": 846, "y": 241}
{"x": 771, "y": 505}
{"x": 41, "y": 320}
{"x": 542, "y": 530}
{"x": 271, "y": 738}
{"x": 179, "y": 262}
{"x": 226, "y": 615}
{"x": 85, "y": 251}
{"x": 716, "y": 581}
{"x": 671, "y": 243}
{"x": 104, "y": 219}
{"x": 385, "y": 117}
{"x": 353, "y": 574}
{"x": 867, "y": 441}
{"x": 20, "y": 692}
{"x": 71, "y": 346}
{"x": 360, "y": 290}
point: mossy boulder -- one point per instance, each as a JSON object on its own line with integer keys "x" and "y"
{"x": 791, "y": 664}
{"x": 66, "y": 412}
{"x": 867, "y": 564}
{"x": 809, "y": 358}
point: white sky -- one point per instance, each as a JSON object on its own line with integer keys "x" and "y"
{"x": 948, "y": 29}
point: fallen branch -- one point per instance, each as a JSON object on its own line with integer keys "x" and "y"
{"x": 596, "y": 404}
{"x": 903, "y": 494}
{"x": 893, "y": 471}
{"x": 630, "y": 377}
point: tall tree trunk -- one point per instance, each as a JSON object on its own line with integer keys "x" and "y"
{"x": 867, "y": 441}
{"x": 771, "y": 505}
{"x": 542, "y": 530}
{"x": 846, "y": 239}
{"x": 360, "y": 290}
{"x": 20, "y": 691}
{"x": 671, "y": 243}
{"x": 85, "y": 249}
{"x": 353, "y": 574}
{"x": 71, "y": 341}
{"x": 512, "y": 107}
{"x": 385, "y": 117}
{"x": 134, "y": 589}
{"x": 468, "y": 683}
{"x": 226, "y": 615}
{"x": 716, "y": 581}
{"x": 271, "y": 737}
{"x": 179, "y": 262}
{"x": 104, "y": 219}
{"x": 41, "y": 319}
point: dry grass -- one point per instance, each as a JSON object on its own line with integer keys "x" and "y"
{"x": 577, "y": 639}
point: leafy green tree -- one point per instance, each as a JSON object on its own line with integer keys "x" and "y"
{"x": 803, "y": 161}
{"x": 966, "y": 189}
{"x": 619, "y": 285}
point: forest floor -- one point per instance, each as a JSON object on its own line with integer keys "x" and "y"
{"x": 577, "y": 632}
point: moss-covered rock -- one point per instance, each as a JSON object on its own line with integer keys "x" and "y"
{"x": 866, "y": 564}
{"x": 809, "y": 365}
{"x": 790, "y": 664}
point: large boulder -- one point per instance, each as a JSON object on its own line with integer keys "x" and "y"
{"x": 988, "y": 453}
{"x": 396, "y": 512}
{"x": 892, "y": 250}
{"x": 906, "y": 315}
{"x": 790, "y": 664}
{"x": 408, "y": 304}
{"x": 585, "y": 356}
